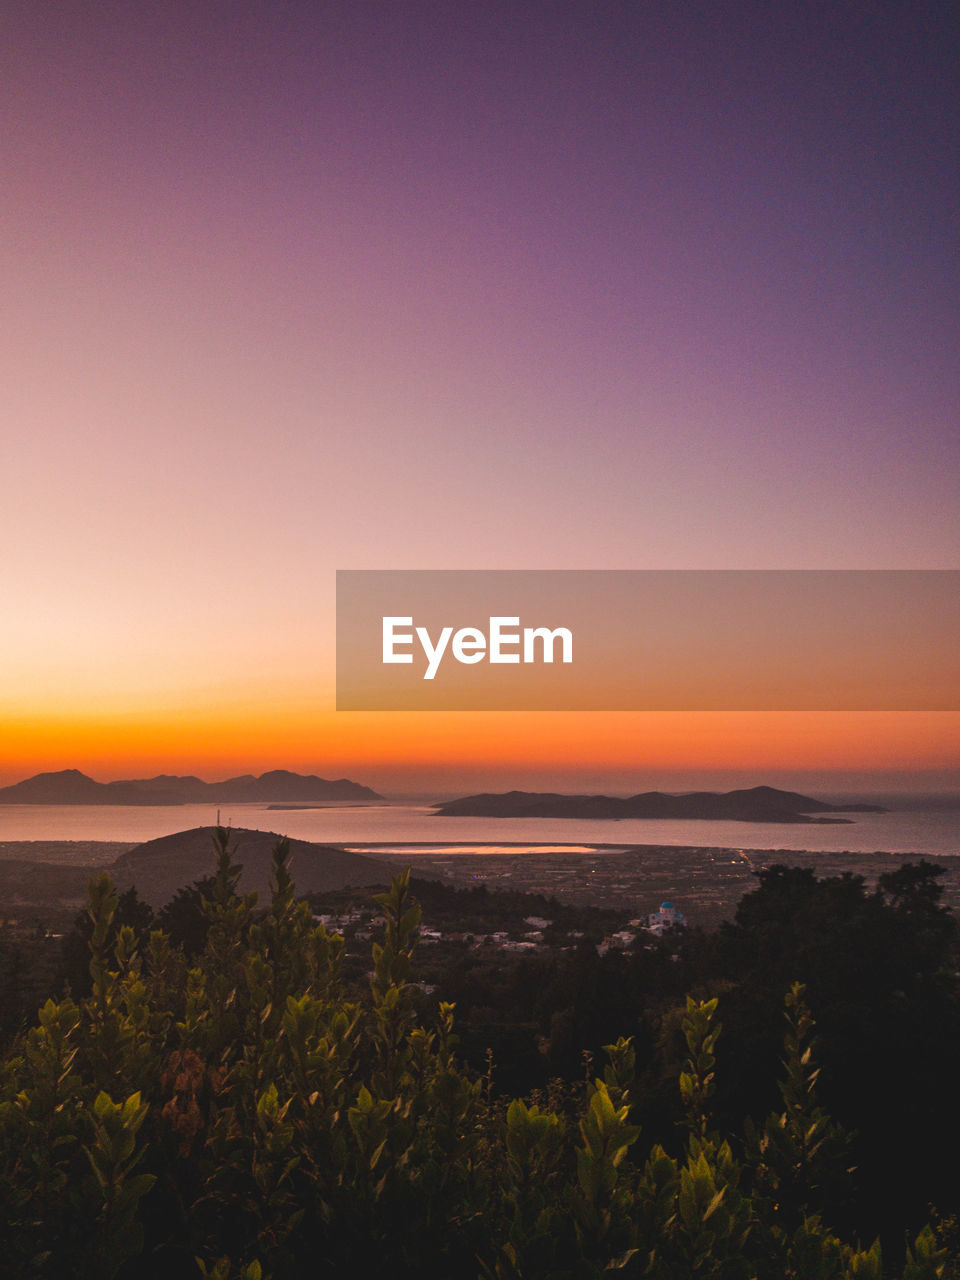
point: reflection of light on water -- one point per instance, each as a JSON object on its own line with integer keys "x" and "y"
{"x": 395, "y": 827}
{"x": 442, "y": 849}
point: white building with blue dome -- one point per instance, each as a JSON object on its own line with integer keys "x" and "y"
{"x": 668, "y": 917}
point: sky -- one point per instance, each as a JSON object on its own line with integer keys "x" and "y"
{"x": 293, "y": 287}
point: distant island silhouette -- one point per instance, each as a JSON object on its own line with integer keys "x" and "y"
{"x": 756, "y": 804}
{"x": 70, "y": 786}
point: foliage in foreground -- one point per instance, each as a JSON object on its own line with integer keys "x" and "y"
{"x": 234, "y": 1115}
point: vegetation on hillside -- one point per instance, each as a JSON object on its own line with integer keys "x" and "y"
{"x": 236, "y": 1111}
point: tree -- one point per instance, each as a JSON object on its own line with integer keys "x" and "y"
{"x": 131, "y": 911}
{"x": 185, "y": 917}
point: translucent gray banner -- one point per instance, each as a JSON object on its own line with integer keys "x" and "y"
{"x": 648, "y": 640}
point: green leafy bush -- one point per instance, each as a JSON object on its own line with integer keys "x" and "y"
{"x": 235, "y": 1114}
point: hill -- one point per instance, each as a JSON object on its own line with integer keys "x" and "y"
{"x": 158, "y": 868}
{"x": 756, "y": 804}
{"x": 70, "y": 786}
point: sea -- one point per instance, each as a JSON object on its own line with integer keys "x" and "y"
{"x": 911, "y": 829}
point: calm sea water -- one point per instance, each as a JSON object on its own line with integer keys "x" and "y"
{"x": 933, "y": 832}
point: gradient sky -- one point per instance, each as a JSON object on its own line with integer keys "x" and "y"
{"x": 297, "y": 286}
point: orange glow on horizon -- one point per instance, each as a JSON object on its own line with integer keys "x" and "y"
{"x": 216, "y": 741}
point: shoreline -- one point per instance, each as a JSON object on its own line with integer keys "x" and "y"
{"x": 55, "y": 850}
{"x": 38, "y": 877}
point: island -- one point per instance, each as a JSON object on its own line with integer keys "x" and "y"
{"x": 755, "y": 804}
{"x": 70, "y": 786}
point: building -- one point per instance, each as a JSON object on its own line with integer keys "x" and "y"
{"x": 667, "y": 918}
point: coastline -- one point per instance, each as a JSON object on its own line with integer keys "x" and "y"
{"x": 707, "y": 880}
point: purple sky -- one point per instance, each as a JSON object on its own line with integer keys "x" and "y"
{"x": 291, "y": 287}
